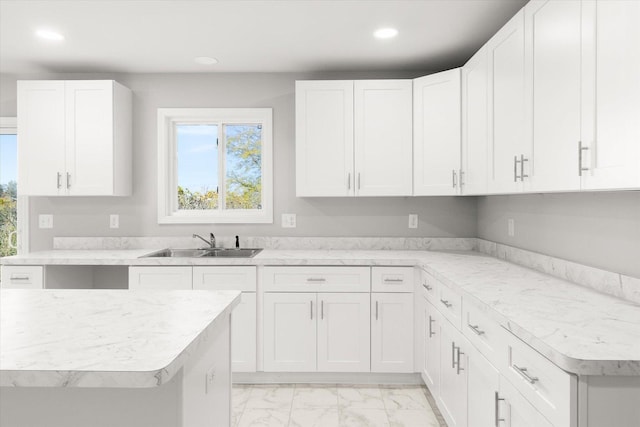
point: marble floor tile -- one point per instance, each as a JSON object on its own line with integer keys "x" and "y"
{"x": 239, "y": 397}
{"x": 317, "y": 417}
{"x": 404, "y": 398}
{"x": 412, "y": 418}
{"x": 270, "y": 397}
{"x": 363, "y": 417}
{"x": 360, "y": 397}
{"x": 315, "y": 397}
{"x": 264, "y": 417}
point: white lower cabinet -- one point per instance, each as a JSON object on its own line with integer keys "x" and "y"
{"x": 160, "y": 277}
{"x": 453, "y": 376}
{"x": 392, "y": 332}
{"x": 316, "y": 332}
{"x": 22, "y": 277}
{"x": 516, "y": 411}
{"x": 431, "y": 349}
{"x": 483, "y": 385}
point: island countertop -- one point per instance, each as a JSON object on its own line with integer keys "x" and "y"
{"x": 103, "y": 338}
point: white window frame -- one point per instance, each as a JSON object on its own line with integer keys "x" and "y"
{"x": 9, "y": 126}
{"x": 168, "y": 212}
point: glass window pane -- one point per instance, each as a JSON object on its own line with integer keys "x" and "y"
{"x": 197, "y": 166}
{"x": 8, "y": 195}
{"x": 243, "y": 180}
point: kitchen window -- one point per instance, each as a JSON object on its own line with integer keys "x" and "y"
{"x": 215, "y": 165}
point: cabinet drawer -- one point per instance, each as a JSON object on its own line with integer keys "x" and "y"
{"x": 22, "y": 277}
{"x": 450, "y": 305}
{"x": 430, "y": 286}
{"x": 317, "y": 279}
{"x": 392, "y": 279}
{"x": 225, "y": 278}
{"x": 550, "y": 389}
{"x": 164, "y": 278}
{"x": 484, "y": 333}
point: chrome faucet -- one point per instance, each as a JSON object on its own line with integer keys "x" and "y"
{"x": 211, "y": 242}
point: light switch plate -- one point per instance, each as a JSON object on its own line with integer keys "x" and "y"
{"x": 45, "y": 221}
{"x": 288, "y": 220}
{"x": 114, "y": 221}
{"x": 413, "y": 220}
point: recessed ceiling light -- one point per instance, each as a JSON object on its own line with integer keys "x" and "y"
{"x": 385, "y": 33}
{"x": 206, "y": 60}
{"x": 50, "y": 35}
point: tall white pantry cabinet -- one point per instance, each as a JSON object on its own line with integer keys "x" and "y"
{"x": 75, "y": 138}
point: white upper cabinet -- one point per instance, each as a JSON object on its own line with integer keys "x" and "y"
{"x": 436, "y": 138}
{"x": 353, "y": 138}
{"x": 75, "y": 138}
{"x": 611, "y": 127}
{"x": 475, "y": 137}
{"x": 553, "y": 40}
{"x": 383, "y": 137}
{"x": 324, "y": 138}
{"x": 509, "y": 155}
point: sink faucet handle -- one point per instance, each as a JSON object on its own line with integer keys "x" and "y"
{"x": 237, "y": 242}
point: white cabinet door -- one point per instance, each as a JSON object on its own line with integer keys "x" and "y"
{"x": 220, "y": 278}
{"x": 343, "y": 332}
{"x": 391, "y": 332}
{"x": 243, "y": 334}
{"x": 164, "y": 278}
{"x": 452, "y": 399}
{"x": 324, "y": 138}
{"x": 516, "y": 411}
{"x": 475, "y": 137}
{"x": 290, "y": 332}
{"x": 41, "y": 126}
{"x": 507, "y": 124}
{"x": 553, "y": 40}
{"x": 612, "y": 133}
{"x": 483, "y": 384}
{"x": 436, "y": 134}
{"x": 431, "y": 365}
{"x": 383, "y": 137}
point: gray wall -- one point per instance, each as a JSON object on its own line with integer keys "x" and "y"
{"x": 597, "y": 229}
{"x": 88, "y": 216}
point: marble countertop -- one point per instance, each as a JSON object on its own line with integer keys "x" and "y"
{"x": 579, "y": 329}
{"x": 103, "y": 338}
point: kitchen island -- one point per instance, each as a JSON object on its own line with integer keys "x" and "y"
{"x": 115, "y": 358}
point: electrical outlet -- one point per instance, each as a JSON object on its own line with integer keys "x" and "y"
{"x": 45, "y": 221}
{"x": 114, "y": 221}
{"x": 209, "y": 380}
{"x": 413, "y": 220}
{"x": 511, "y": 227}
{"x": 288, "y": 220}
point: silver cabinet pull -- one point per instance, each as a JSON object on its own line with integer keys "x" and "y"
{"x": 458, "y": 364}
{"x": 316, "y": 279}
{"x": 476, "y": 329}
{"x": 522, "y": 160}
{"x": 68, "y": 180}
{"x": 461, "y": 178}
{"x": 20, "y": 277}
{"x": 497, "y": 400}
{"x": 311, "y": 309}
{"x": 524, "y": 374}
{"x": 376, "y": 310}
{"x": 394, "y": 280}
{"x": 453, "y": 178}
{"x": 358, "y": 180}
{"x": 321, "y": 309}
{"x": 446, "y": 303}
{"x": 515, "y": 168}
{"x": 58, "y": 183}
{"x": 580, "y": 150}
{"x": 453, "y": 354}
{"x": 427, "y": 287}
{"x": 349, "y": 181}
{"x": 431, "y": 333}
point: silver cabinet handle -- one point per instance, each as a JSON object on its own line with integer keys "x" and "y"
{"x": 522, "y": 160}
{"x": 461, "y": 178}
{"x": 311, "y": 309}
{"x": 515, "y": 168}
{"x": 68, "y": 180}
{"x": 321, "y": 309}
{"x": 358, "y": 180}
{"x": 394, "y": 280}
{"x": 524, "y": 374}
{"x": 58, "y": 183}
{"x": 458, "y": 364}
{"x": 316, "y": 279}
{"x": 427, "y": 287}
{"x": 476, "y": 329}
{"x": 453, "y": 178}
{"x": 431, "y": 333}
{"x": 446, "y": 303}
{"x": 580, "y": 150}
{"x": 376, "y": 310}
{"x": 497, "y": 410}
{"x": 349, "y": 181}
{"x": 21, "y": 277}
{"x": 453, "y": 354}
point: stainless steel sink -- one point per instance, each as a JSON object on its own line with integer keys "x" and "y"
{"x": 204, "y": 252}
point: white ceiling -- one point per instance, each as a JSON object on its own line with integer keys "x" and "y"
{"x": 160, "y": 36}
